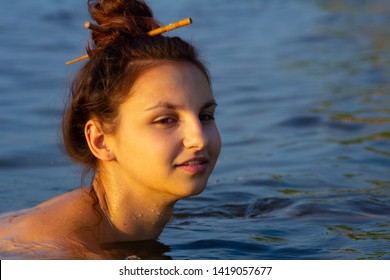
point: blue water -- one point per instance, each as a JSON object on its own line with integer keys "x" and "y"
{"x": 304, "y": 112}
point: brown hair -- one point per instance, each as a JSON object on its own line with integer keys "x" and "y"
{"x": 117, "y": 59}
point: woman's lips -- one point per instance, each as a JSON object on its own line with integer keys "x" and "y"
{"x": 194, "y": 166}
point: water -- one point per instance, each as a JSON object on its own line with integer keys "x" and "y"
{"x": 304, "y": 109}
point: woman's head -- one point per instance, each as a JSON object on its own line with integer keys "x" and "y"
{"x": 117, "y": 60}
{"x": 166, "y": 141}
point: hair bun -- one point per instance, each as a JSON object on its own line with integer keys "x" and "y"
{"x": 130, "y": 18}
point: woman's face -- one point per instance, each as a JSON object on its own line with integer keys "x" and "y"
{"x": 167, "y": 142}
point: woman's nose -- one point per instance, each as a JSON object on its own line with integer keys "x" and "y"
{"x": 194, "y": 135}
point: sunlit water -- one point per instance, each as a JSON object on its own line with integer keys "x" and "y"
{"x": 304, "y": 110}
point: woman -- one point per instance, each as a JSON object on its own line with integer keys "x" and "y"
{"x": 141, "y": 119}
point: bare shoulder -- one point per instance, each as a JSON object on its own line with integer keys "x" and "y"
{"x": 51, "y": 226}
{"x": 37, "y": 221}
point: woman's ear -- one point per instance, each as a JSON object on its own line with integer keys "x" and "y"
{"x": 97, "y": 141}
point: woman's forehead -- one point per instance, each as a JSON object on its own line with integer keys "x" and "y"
{"x": 174, "y": 83}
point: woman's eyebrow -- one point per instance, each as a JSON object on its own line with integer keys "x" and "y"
{"x": 164, "y": 104}
{"x": 211, "y": 103}
{"x": 169, "y": 105}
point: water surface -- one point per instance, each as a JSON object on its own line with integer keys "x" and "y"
{"x": 304, "y": 110}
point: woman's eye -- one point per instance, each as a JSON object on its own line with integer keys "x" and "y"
{"x": 165, "y": 121}
{"x": 206, "y": 117}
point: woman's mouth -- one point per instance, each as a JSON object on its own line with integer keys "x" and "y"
{"x": 194, "y": 166}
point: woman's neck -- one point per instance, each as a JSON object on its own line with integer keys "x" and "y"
{"x": 129, "y": 215}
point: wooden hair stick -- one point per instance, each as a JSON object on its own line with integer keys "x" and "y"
{"x": 77, "y": 59}
{"x": 170, "y": 27}
{"x": 95, "y": 27}
{"x": 153, "y": 32}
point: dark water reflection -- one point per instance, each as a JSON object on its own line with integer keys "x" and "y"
{"x": 304, "y": 111}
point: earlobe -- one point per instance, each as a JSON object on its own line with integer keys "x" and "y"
{"x": 97, "y": 141}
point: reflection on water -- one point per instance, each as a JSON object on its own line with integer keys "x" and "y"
{"x": 304, "y": 111}
{"x": 145, "y": 250}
